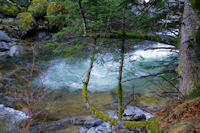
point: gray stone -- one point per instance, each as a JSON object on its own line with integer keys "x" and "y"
{"x": 3, "y": 47}
{"x": 15, "y": 50}
{"x": 6, "y": 21}
{"x": 42, "y": 35}
{"x": 12, "y": 44}
{"x": 83, "y": 130}
{"x": 4, "y": 37}
{"x": 91, "y": 130}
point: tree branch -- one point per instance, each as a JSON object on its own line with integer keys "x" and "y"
{"x": 120, "y": 35}
{"x": 151, "y": 75}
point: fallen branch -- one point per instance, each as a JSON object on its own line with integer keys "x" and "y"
{"x": 151, "y": 75}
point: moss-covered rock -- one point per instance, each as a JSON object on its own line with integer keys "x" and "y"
{"x": 26, "y": 22}
{"x": 55, "y": 10}
{"x": 9, "y": 9}
{"x": 38, "y": 8}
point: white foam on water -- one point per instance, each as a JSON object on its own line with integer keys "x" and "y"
{"x": 103, "y": 77}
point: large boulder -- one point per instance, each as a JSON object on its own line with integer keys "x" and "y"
{"x": 4, "y": 37}
{"x": 38, "y": 8}
{"x": 26, "y": 23}
{"x": 55, "y": 9}
{"x": 9, "y": 9}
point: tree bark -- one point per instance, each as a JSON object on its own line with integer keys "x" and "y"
{"x": 189, "y": 51}
{"x": 82, "y": 17}
{"x": 119, "y": 89}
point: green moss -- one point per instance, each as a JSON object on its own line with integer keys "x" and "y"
{"x": 55, "y": 8}
{"x": 153, "y": 125}
{"x": 38, "y": 8}
{"x": 26, "y": 21}
{"x": 195, "y": 4}
{"x": 103, "y": 116}
{"x": 195, "y": 93}
{"x": 134, "y": 124}
{"x": 55, "y": 11}
{"x": 119, "y": 96}
{"x": 198, "y": 35}
{"x": 9, "y": 9}
{"x": 84, "y": 92}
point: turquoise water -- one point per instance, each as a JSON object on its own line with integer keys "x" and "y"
{"x": 63, "y": 75}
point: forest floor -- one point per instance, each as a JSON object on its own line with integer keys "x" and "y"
{"x": 181, "y": 116}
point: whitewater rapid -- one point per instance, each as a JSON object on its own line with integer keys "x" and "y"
{"x": 63, "y": 75}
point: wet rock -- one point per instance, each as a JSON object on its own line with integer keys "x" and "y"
{"x": 91, "y": 130}
{"x": 52, "y": 126}
{"x": 42, "y": 35}
{"x": 3, "y": 55}
{"x": 83, "y": 130}
{"x": 11, "y": 114}
{"x": 7, "y": 21}
{"x": 130, "y": 110}
{"x": 15, "y": 50}
{"x": 4, "y": 37}
{"x": 139, "y": 118}
{"x": 3, "y": 47}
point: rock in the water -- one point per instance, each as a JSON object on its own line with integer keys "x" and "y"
{"x": 3, "y": 47}
{"x": 4, "y": 37}
{"x": 15, "y": 50}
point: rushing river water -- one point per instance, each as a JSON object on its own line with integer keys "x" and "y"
{"x": 70, "y": 76}
{"x": 65, "y": 78}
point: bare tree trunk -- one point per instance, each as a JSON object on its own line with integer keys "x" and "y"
{"x": 82, "y": 17}
{"x": 189, "y": 51}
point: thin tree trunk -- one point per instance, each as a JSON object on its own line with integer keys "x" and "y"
{"x": 119, "y": 89}
{"x": 82, "y": 17}
{"x": 189, "y": 51}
